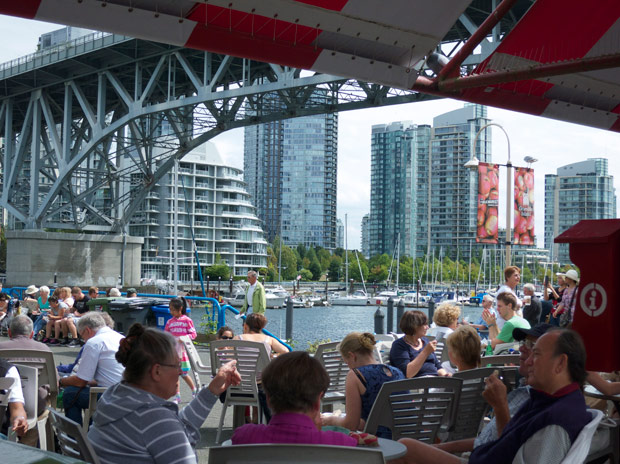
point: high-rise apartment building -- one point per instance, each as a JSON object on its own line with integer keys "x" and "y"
{"x": 582, "y": 190}
{"x": 339, "y": 234}
{"x": 290, "y": 167}
{"x": 365, "y": 242}
{"x": 420, "y": 188}
{"x": 213, "y": 203}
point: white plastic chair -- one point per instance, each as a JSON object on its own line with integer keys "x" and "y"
{"x": 89, "y": 412}
{"x": 382, "y": 351}
{"x": 251, "y": 359}
{"x": 30, "y": 388}
{"x": 329, "y": 357}
{"x": 72, "y": 439}
{"x": 304, "y": 454}
{"x": 5, "y": 389}
{"x": 194, "y": 360}
{"x": 581, "y": 446}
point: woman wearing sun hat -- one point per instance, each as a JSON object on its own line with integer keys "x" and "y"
{"x": 566, "y": 307}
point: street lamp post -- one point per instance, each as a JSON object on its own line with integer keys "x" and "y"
{"x": 473, "y": 164}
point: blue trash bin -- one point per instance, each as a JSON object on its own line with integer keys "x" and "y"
{"x": 162, "y": 315}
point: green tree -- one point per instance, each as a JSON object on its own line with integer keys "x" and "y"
{"x": 306, "y": 274}
{"x": 315, "y": 268}
{"x": 289, "y": 264}
{"x": 378, "y": 273}
{"x": 335, "y": 265}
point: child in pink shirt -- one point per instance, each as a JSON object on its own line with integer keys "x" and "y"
{"x": 178, "y": 326}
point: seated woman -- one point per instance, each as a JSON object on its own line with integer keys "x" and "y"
{"x": 135, "y": 422}
{"x": 446, "y": 319}
{"x": 363, "y": 382}
{"x": 252, "y": 331}
{"x": 294, "y": 384}
{"x": 464, "y": 348}
{"x": 413, "y": 354}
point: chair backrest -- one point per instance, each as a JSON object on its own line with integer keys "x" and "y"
{"x": 305, "y": 454}
{"x": 71, "y": 437}
{"x": 29, "y": 377}
{"x": 5, "y": 389}
{"x": 581, "y": 446}
{"x": 329, "y": 357}
{"x": 194, "y": 360}
{"x": 501, "y": 360}
{"x": 383, "y": 338}
{"x": 382, "y": 351}
{"x": 471, "y": 407}
{"x": 415, "y": 408}
{"x": 251, "y": 359}
{"x": 43, "y": 361}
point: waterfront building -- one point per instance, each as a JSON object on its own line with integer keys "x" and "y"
{"x": 365, "y": 238}
{"x": 420, "y": 189}
{"x": 582, "y": 190}
{"x": 290, "y": 168}
{"x": 213, "y": 202}
{"x": 339, "y": 234}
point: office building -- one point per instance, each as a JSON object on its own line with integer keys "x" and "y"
{"x": 212, "y": 202}
{"x": 582, "y": 190}
{"x": 339, "y": 234}
{"x": 290, "y": 168}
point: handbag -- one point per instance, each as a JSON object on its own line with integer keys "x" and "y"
{"x": 566, "y": 319}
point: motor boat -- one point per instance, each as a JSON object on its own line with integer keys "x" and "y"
{"x": 382, "y": 298}
{"x": 357, "y": 298}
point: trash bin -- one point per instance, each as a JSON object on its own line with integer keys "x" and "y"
{"x": 162, "y": 315}
{"x": 100, "y": 304}
{"x": 127, "y": 311}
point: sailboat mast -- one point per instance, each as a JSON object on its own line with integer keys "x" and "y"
{"x": 397, "y": 260}
{"x": 346, "y": 255}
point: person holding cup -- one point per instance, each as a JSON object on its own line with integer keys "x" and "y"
{"x": 532, "y": 306}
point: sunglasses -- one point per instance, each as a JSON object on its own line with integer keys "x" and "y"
{"x": 224, "y": 337}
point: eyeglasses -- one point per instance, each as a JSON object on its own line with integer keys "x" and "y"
{"x": 176, "y": 366}
{"x": 529, "y": 344}
{"x": 224, "y": 337}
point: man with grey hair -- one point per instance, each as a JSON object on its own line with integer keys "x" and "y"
{"x": 255, "y": 299}
{"x": 97, "y": 366}
{"x": 532, "y": 305}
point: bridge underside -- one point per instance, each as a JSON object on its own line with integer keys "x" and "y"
{"x": 88, "y": 135}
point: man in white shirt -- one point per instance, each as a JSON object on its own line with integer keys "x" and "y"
{"x": 97, "y": 366}
{"x": 17, "y": 413}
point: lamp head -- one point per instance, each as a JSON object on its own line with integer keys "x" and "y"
{"x": 529, "y": 159}
{"x": 472, "y": 163}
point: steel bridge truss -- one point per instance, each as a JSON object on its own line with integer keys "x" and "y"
{"x": 82, "y": 153}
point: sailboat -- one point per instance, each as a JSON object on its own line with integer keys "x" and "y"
{"x": 358, "y": 297}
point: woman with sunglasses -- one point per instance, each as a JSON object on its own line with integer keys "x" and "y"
{"x": 134, "y": 415}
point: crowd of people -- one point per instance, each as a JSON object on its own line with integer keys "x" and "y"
{"x": 138, "y": 417}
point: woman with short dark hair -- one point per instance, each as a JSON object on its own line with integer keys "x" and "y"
{"x": 413, "y": 354}
{"x": 133, "y": 416}
{"x": 294, "y": 384}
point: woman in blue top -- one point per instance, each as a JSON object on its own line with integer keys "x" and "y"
{"x": 413, "y": 354}
{"x": 363, "y": 382}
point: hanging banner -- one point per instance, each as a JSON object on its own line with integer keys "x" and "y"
{"x": 488, "y": 200}
{"x": 524, "y": 207}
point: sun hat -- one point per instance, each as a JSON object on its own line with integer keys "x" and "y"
{"x": 31, "y": 290}
{"x": 572, "y": 275}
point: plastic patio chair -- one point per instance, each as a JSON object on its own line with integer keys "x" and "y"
{"x": 382, "y": 352}
{"x": 472, "y": 407}
{"x": 251, "y": 359}
{"x": 581, "y": 446}
{"x": 415, "y": 408}
{"x": 5, "y": 388}
{"x": 48, "y": 375}
{"x": 329, "y": 357}
{"x": 194, "y": 361}
{"x": 93, "y": 398}
{"x": 71, "y": 437}
{"x": 304, "y": 454}
{"x": 29, "y": 377}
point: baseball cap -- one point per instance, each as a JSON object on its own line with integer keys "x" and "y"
{"x": 537, "y": 331}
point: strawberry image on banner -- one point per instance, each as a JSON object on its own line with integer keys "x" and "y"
{"x": 488, "y": 201}
{"x": 524, "y": 207}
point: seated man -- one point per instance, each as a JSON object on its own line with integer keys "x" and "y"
{"x": 546, "y": 426}
{"x": 294, "y": 384}
{"x": 507, "y": 308}
{"x": 98, "y": 365}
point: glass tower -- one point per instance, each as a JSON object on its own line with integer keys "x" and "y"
{"x": 290, "y": 167}
{"x": 582, "y": 190}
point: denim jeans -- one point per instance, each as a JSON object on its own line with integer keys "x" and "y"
{"x": 39, "y": 323}
{"x": 74, "y": 399}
